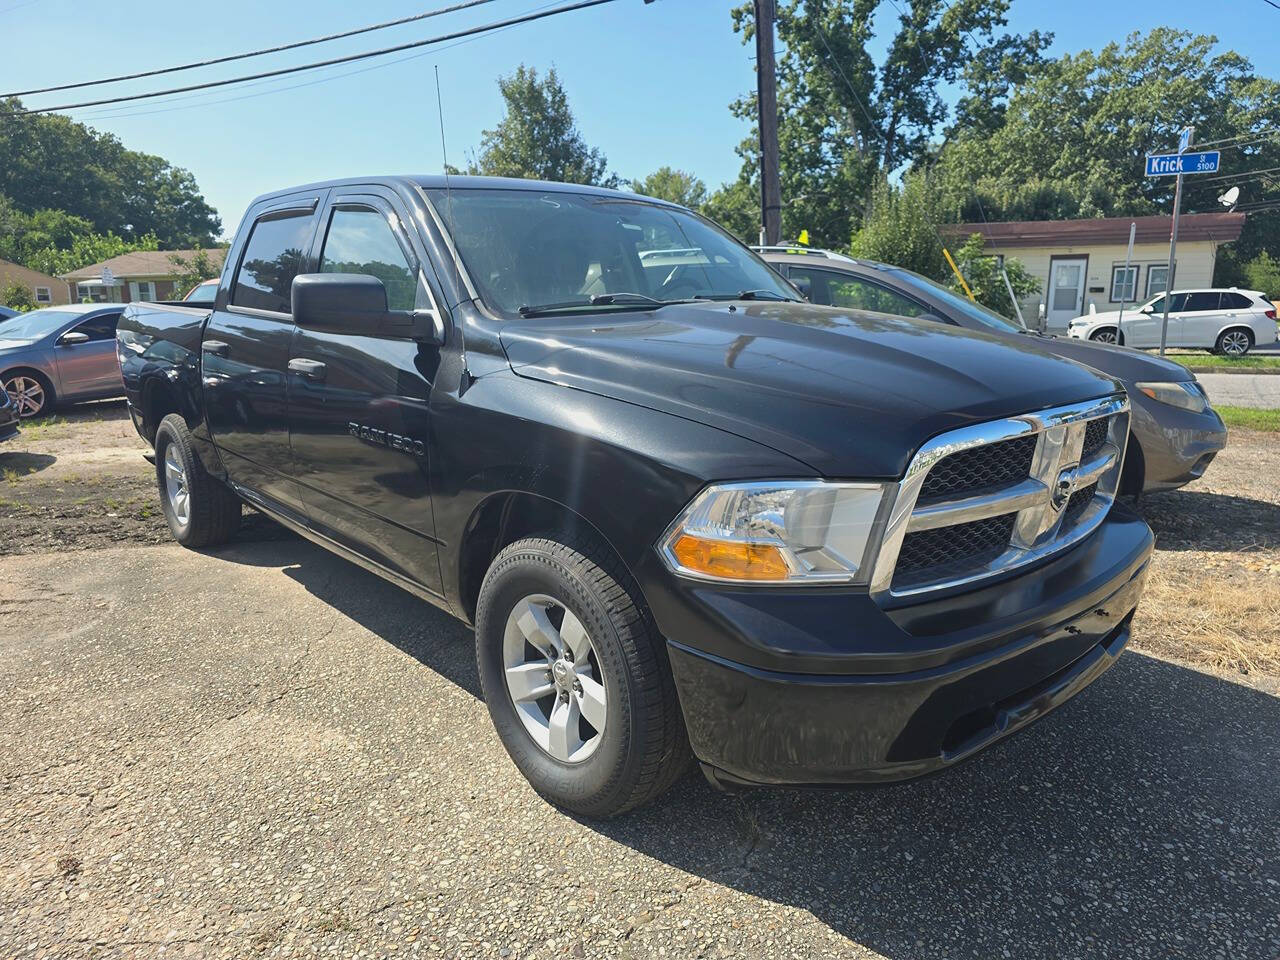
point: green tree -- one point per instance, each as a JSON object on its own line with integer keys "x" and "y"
{"x": 900, "y": 227}
{"x": 846, "y": 121}
{"x": 189, "y": 271}
{"x": 22, "y": 235}
{"x": 537, "y": 138}
{"x": 86, "y": 250}
{"x": 982, "y": 272}
{"x": 15, "y": 296}
{"x": 667, "y": 183}
{"x": 53, "y": 163}
{"x": 736, "y": 207}
{"x": 1263, "y": 273}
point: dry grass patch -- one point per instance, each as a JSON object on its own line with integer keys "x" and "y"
{"x": 1225, "y": 615}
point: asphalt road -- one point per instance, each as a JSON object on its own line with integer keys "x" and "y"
{"x": 1259, "y": 390}
{"x": 265, "y": 751}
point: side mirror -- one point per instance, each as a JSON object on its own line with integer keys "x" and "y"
{"x": 803, "y": 285}
{"x": 356, "y": 304}
{"x": 72, "y": 337}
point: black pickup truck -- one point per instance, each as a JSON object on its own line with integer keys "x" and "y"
{"x": 688, "y": 514}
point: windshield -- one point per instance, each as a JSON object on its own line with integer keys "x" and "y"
{"x": 974, "y": 311}
{"x": 34, "y": 325}
{"x": 529, "y": 249}
{"x": 203, "y": 293}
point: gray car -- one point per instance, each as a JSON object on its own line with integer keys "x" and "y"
{"x": 1175, "y": 433}
{"x": 60, "y": 355}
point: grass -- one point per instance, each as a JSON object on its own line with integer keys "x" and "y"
{"x": 1248, "y": 362}
{"x": 1250, "y": 419}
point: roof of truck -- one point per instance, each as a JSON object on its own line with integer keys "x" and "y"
{"x": 438, "y": 181}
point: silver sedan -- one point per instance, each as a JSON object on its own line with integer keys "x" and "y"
{"x": 60, "y": 355}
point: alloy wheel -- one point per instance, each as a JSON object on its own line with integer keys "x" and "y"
{"x": 1235, "y": 343}
{"x": 27, "y": 394}
{"x": 175, "y": 486}
{"x": 554, "y": 678}
{"x": 1105, "y": 336}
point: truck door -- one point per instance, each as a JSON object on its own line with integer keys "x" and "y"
{"x": 358, "y": 403}
{"x": 246, "y": 349}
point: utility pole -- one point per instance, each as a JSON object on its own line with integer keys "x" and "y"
{"x": 1183, "y": 142}
{"x": 767, "y": 107}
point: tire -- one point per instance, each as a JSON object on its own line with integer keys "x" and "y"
{"x": 31, "y": 391}
{"x": 1235, "y": 342}
{"x": 642, "y": 749}
{"x": 209, "y": 513}
{"x": 1106, "y": 335}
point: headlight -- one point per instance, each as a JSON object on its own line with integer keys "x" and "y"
{"x": 1187, "y": 394}
{"x": 785, "y": 531}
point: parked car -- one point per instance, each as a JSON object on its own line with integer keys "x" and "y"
{"x": 8, "y": 417}
{"x": 202, "y": 292}
{"x": 1176, "y": 433}
{"x": 685, "y": 510}
{"x": 61, "y": 354}
{"x": 1229, "y": 322}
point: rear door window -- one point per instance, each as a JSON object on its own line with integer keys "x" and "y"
{"x": 1200, "y": 303}
{"x": 272, "y": 258}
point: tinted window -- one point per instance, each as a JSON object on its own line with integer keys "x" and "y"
{"x": 842, "y": 290}
{"x": 204, "y": 293}
{"x": 361, "y": 241}
{"x": 1201, "y": 301}
{"x": 102, "y": 327}
{"x": 271, "y": 261}
{"x": 1235, "y": 301}
{"x": 1179, "y": 303}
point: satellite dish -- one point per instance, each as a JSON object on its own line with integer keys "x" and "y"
{"x": 1229, "y": 198}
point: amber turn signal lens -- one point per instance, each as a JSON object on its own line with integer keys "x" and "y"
{"x": 730, "y": 560}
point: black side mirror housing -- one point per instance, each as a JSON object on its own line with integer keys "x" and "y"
{"x": 356, "y": 304}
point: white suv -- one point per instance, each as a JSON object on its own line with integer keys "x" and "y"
{"x": 1230, "y": 322}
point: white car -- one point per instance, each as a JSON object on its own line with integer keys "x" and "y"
{"x": 1230, "y": 322}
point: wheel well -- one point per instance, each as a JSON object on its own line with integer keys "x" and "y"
{"x": 1238, "y": 326}
{"x": 1118, "y": 332}
{"x": 1134, "y": 473}
{"x": 499, "y": 522}
{"x": 157, "y": 403}
{"x": 37, "y": 374}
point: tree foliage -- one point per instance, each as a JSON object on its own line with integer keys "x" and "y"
{"x": 900, "y": 227}
{"x": 190, "y": 271}
{"x": 52, "y": 163}
{"x": 1263, "y": 273}
{"x": 846, "y": 121}
{"x": 537, "y": 138}
{"x": 17, "y": 296}
{"x": 982, "y": 272}
{"x": 676, "y": 186}
{"x": 85, "y": 250}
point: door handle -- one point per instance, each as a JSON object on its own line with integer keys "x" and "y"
{"x": 216, "y": 347}
{"x": 311, "y": 369}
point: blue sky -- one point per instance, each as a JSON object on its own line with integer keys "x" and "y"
{"x": 649, "y": 84}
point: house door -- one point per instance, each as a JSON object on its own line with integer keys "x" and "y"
{"x": 1066, "y": 292}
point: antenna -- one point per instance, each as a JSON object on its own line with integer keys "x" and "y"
{"x": 448, "y": 186}
{"x": 1230, "y": 198}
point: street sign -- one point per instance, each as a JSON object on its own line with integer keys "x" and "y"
{"x": 1184, "y": 139}
{"x": 108, "y": 278}
{"x": 1171, "y": 164}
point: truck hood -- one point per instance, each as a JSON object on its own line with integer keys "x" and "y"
{"x": 849, "y": 394}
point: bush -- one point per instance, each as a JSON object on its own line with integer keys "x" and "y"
{"x": 982, "y": 272}
{"x": 1263, "y": 273}
{"x": 17, "y": 297}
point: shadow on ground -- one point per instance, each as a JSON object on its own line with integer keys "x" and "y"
{"x": 1195, "y": 520}
{"x": 1140, "y": 820}
{"x": 23, "y": 463}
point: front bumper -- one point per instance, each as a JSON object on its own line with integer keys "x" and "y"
{"x": 848, "y": 692}
{"x": 1176, "y": 446}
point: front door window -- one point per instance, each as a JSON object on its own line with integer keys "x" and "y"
{"x": 1066, "y": 288}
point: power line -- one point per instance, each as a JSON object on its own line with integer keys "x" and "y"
{"x": 252, "y": 53}
{"x": 350, "y": 58}
{"x": 1272, "y": 3}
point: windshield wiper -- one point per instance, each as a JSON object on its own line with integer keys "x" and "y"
{"x": 746, "y": 295}
{"x": 596, "y": 300}
{"x": 623, "y": 297}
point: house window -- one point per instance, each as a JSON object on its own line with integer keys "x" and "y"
{"x": 141, "y": 290}
{"x": 43, "y": 295}
{"x": 1124, "y": 284}
{"x": 1157, "y": 279}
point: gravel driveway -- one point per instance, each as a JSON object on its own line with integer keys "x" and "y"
{"x": 265, "y": 751}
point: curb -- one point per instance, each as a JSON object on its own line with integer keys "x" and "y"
{"x": 1258, "y": 371}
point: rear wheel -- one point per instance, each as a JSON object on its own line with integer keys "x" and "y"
{"x": 576, "y": 677}
{"x": 1235, "y": 342}
{"x": 1105, "y": 335}
{"x": 200, "y": 510}
{"x": 32, "y": 393}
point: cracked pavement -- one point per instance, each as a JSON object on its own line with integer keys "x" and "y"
{"x": 266, "y": 751}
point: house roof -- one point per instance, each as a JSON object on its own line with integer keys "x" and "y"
{"x": 144, "y": 263}
{"x": 8, "y": 268}
{"x": 1217, "y": 227}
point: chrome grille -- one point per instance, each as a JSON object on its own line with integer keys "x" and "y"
{"x": 988, "y": 498}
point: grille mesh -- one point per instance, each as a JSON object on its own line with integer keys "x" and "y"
{"x": 994, "y": 465}
{"x": 1075, "y": 506}
{"x": 934, "y": 554}
{"x": 1095, "y": 435}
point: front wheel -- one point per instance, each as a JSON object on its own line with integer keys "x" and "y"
{"x": 200, "y": 511}
{"x": 576, "y": 678}
{"x": 31, "y": 393}
{"x": 1105, "y": 335}
{"x": 1234, "y": 343}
